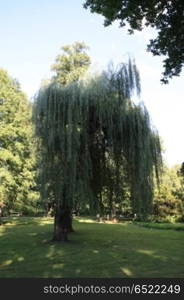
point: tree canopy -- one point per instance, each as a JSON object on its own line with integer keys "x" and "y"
{"x": 72, "y": 63}
{"x": 17, "y": 160}
{"x": 165, "y": 16}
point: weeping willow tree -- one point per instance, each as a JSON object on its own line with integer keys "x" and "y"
{"x": 88, "y": 128}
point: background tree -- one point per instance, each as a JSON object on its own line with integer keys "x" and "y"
{"x": 181, "y": 171}
{"x": 17, "y": 159}
{"x": 72, "y": 64}
{"x": 89, "y": 129}
{"x": 169, "y": 198}
{"x": 180, "y": 191}
{"x": 165, "y": 16}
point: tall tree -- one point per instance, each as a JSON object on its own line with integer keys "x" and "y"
{"x": 72, "y": 63}
{"x": 165, "y": 16}
{"x": 86, "y": 129}
{"x": 16, "y": 147}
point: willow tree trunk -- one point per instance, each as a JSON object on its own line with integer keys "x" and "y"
{"x": 62, "y": 224}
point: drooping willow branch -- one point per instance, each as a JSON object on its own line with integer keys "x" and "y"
{"x": 89, "y": 130}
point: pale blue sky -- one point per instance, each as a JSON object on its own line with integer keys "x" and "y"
{"x": 32, "y": 32}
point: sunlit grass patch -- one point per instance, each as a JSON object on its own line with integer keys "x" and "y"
{"x": 86, "y": 220}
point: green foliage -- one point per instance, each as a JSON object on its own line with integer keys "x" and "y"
{"x": 17, "y": 160}
{"x": 72, "y": 64}
{"x": 92, "y": 136}
{"x": 169, "y": 198}
{"x": 165, "y": 16}
{"x": 181, "y": 171}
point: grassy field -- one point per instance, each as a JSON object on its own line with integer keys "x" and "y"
{"x": 94, "y": 250}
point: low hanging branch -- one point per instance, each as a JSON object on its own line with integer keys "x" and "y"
{"x": 85, "y": 130}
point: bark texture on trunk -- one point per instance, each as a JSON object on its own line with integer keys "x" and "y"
{"x": 62, "y": 224}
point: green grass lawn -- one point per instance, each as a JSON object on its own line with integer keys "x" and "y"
{"x": 94, "y": 250}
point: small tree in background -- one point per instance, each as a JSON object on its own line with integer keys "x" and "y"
{"x": 168, "y": 199}
{"x": 72, "y": 64}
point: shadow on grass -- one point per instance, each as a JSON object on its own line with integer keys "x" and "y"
{"x": 94, "y": 250}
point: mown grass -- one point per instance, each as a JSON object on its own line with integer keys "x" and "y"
{"x": 167, "y": 226}
{"x": 94, "y": 250}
